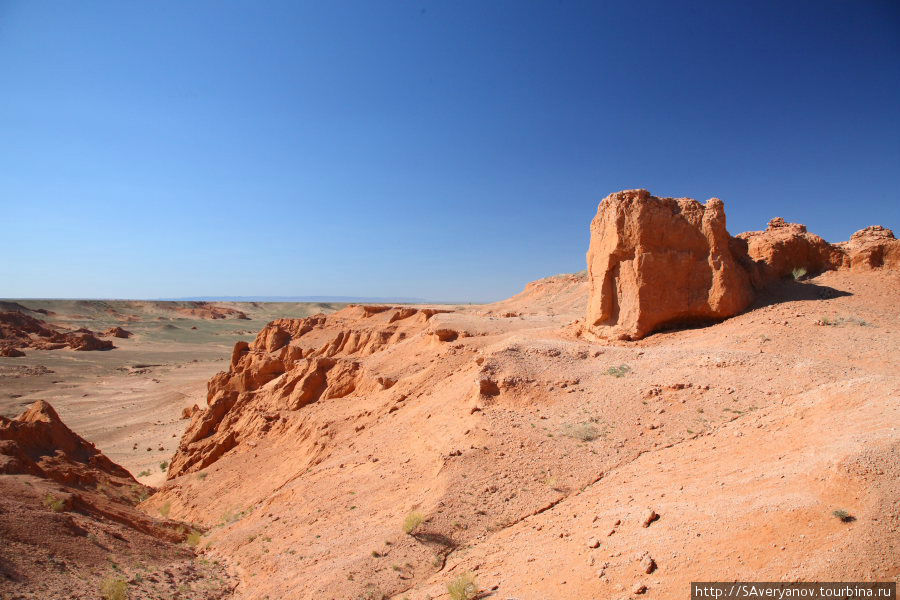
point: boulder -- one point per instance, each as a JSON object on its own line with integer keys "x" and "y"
{"x": 660, "y": 262}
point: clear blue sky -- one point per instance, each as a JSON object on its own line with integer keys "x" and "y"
{"x": 445, "y": 150}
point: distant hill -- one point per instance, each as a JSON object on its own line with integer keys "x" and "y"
{"x": 350, "y": 299}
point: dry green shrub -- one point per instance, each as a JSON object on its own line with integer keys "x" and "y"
{"x": 463, "y": 587}
{"x": 114, "y": 589}
{"x": 55, "y": 504}
{"x": 412, "y": 522}
{"x": 586, "y": 432}
{"x": 193, "y": 539}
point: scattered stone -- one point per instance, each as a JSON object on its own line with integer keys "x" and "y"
{"x": 648, "y": 565}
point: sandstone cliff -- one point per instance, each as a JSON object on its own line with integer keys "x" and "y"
{"x": 656, "y": 263}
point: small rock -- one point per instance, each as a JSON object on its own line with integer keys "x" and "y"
{"x": 651, "y": 516}
{"x": 593, "y": 543}
{"x": 639, "y": 588}
{"x": 648, "y": 565}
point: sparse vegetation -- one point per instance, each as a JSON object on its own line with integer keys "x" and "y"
{"x": 412, "y": 522}
{"x": 114, "y": 589}
{"x": 838, "y": 321}
{"x": 843, "y": 515}
{"x": 798, "y": 273}
{"x": 585, "y": 432}
{"x": 372, "y": 592}
{"x": 53, "y": 503}
{"x": 620, "y": 371}
{"x": 463, "y": 587}
{"x": 193, "y": 539}
{"x": 163, "y": 466}
{"x": 164, "y": 509}
{"x": 144, "y": 473}
{"x": 202, "y": 476}
{"x": 232, "y": 516}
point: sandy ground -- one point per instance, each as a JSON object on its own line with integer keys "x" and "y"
{"x": 744, "y": 437}
{"x": 535, "y": 458}
{"x": 128, "y": 401}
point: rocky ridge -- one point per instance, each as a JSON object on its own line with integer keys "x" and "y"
{"x": 18, "y": 330}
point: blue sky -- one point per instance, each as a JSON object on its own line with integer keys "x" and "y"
{"x": 444, "y": 150}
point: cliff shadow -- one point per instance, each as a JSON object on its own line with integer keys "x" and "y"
{"x": 788, "y": 290}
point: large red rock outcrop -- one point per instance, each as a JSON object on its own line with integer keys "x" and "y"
{"x": 39, "y": 443}
{"x": 658, "y": 262}
{"x": 784, "y": 248}
{"x": 874, "y": 247}
{"x": 18, "y": 330}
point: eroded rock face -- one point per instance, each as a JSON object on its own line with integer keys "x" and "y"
{"x": 39, "y": 443}
{"x": 18, "y": 330}
{"x": 658, "y": 262}
{"x": 874, "y": 247}
{"x": 783, "y": 248}
{"x": 290, "y": 364}
{"x": 117, "y": 332}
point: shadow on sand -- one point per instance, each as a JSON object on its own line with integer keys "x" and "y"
{"x": 786, "y": 290}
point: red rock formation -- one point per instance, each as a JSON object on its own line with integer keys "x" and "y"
{"x": 188, "y": 412}
{"x": 291, "y": 363}
{"x": 18, "y": 330}
{"x": 10, "y": 352}
{"x": 39, "y": 443}
{"x": 117, "y": 332}
{"x": 783, "y": 247}
{"x": 56, "y": 489}
{"x": 657, "y": 262}
{"x": 874, "y": 247}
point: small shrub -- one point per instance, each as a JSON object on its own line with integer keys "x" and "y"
{"x": 53, "y": 503}
{"x": 855, "y": 321}
{"x": 798, "y": 273}
{"x": 839, "y": 321}
{"x": 463, "y": 587}
{"x": 843, "y": 515}
{"x": 412, "y": 521}
{"x": 164, "y": 509}
{"x": 163, "y": 466}
{"x": 114, "y": 589}
{"x": 144, "y": 473}
{"x": 620, "y": 371}
{"x": 193, "y": 539}
{"x": 583, "y": 431}
{"x": 202, "y": 476}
